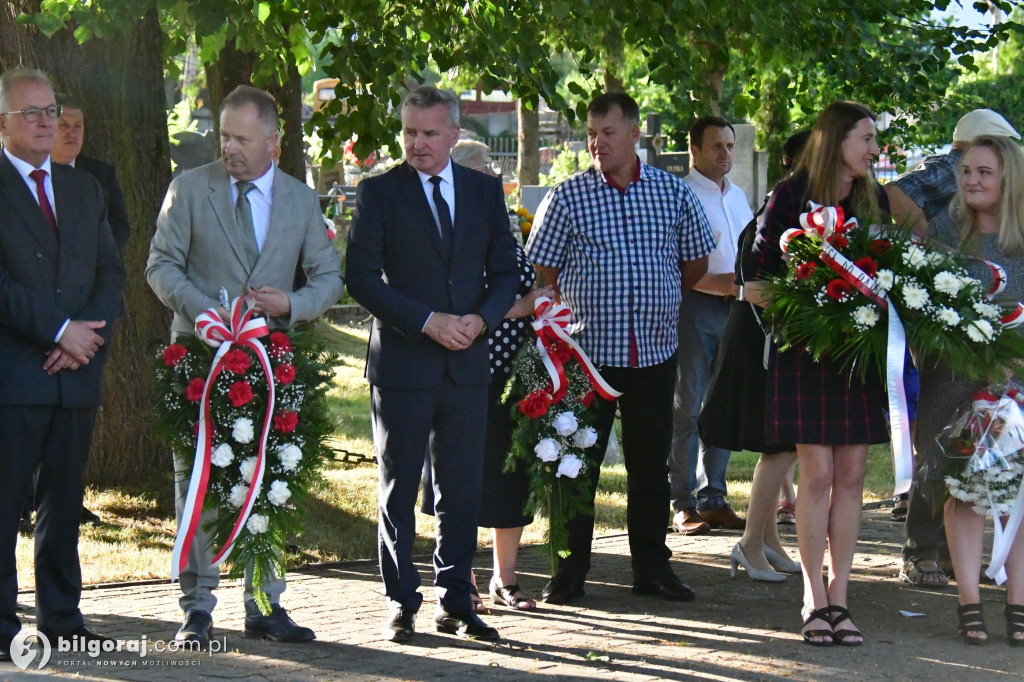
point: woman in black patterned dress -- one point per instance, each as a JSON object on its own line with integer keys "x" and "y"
{"x": 830, "y": 413}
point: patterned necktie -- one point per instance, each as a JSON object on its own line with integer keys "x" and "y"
{"x": 243, "y": 218}
{"x": 444, "y": 215}
{"x": 39, "y": 175}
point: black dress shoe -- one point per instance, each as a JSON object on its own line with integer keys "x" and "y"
{"x": 562, "y": 589}
{"x": 277, "y": 627}
{"x": 81, "y": 634}
{"x": 665, "y": 585}
{"x": 400, "y": 626}
{"x": 5, "y": 648}
{"x": 465, "y": 624}
{"x": 197, "y": 627}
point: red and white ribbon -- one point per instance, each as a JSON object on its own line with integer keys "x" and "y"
{"x": 998, "y": 278}
{"x": 550, "y": 324}
{"x": 245, "y": 330}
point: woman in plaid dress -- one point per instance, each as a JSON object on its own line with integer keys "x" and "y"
{"x": 830, "y": 413}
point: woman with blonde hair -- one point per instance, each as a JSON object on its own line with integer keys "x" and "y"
{"x": 829, "y": 412}
{"x": 985, "y": 219}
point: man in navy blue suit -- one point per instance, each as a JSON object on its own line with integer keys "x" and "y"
{"x": 431, "y": 257}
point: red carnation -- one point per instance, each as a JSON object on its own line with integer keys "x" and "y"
{"x": 869, "y": 266}
{"x": 879, "y": 246}
{"x": 588, "y": 399}
{"x": 561, "y": 351}
{"x": 285, "y": 422}
{"x": 285, "y": 373}
{"x": 279, "y": 344}
{"x": 839, "y": 290}
{"x": 839, "y": 241}
{"x": 535, "y": 405}
{"x": 805, "y": 270}
{"x": 237, "y": 361}
{"x": 174, "y": 353}
{"x": 194, "y": 391}
{"x": 240, "y": 393}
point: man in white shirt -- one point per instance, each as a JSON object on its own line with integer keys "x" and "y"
{"x": 696, "y": 471}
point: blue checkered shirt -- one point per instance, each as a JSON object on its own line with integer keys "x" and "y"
{"x": 933, "y": 183}
{"x": 608, "y": 245}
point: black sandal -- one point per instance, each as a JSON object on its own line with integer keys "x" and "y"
{"x": 1014, "y": 624}
{"x": 511, "y": 596}
{"x": 972, "y": 619}
{"x": 900, "y": 505}
{"x": 818, "y": 614}
{"x": 846, "y": 636}
{"x": 476, "y": 601}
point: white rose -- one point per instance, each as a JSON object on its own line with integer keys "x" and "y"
{"x": 935, "y": 258}
{"x": 565, "y": 424}
{"x": 289, "y": 455}
{"x": 947, "y": 316}
{"x": 278, "y": 493}
{"x": 238, "y": 494}
{"x": 948, "y": 283}
{"x": 242, "y": 430}
{"x": 569, "y": 466}
{"x": 865, "y": 316}
{"x": 585, "y": 438}
{"x": 248, "y": 469}
{"x": 884, "y": 280}
{"x": 547, "y": 450}
{"x": 222, "y": 455}
{"x": 980, "y": 331}
{"x": 256, "y": 524}
{"x": 914, "y": 296}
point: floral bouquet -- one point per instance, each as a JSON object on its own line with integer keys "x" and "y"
{"x": 551, "y": 392}
{"x": 984, "y": 457}
{"x": 843, "y": 279}
{"x": 251, "y": 421}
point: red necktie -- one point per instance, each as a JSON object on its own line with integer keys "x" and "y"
{"x": 39, "y": 175}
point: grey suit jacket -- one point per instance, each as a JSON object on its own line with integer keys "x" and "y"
{"x": 196, "y": 249}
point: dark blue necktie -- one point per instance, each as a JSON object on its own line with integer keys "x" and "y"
{"x": 444, "y": 215}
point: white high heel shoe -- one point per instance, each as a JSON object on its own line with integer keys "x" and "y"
{"x": 781, "y": 562}
{"x": 739, "y": 558}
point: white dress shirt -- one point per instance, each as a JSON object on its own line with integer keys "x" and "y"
{"x": 728, "y": 213}
{"x": 447, "y": 191}
{"x": 260, "y": 199}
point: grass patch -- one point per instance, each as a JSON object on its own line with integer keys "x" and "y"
{"x": 135, "y": 540}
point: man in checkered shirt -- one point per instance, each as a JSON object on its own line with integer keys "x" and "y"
{"x": 621, "y": 242}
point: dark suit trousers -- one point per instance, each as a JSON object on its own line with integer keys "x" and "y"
{"x": 55, "y": 441}
{"x": 646, "y": 414}
{"x": 450, "y": 420}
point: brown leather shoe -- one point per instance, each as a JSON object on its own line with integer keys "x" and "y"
{"x": 688, "y": 522}
{"x": 723, "y": 517}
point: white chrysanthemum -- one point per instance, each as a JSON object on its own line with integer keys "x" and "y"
{"x": 585, "y": 438}
{"x": 565, "y": 424}
{"x": 256, "y": 524}
{"x": 947, "y": 316}
{"x": 980, "y": 331}
{"x": 988, "y": 310}
{"x": 222, "y": 455}
{"x": 547, "y": 450}
{"x": 242, "y": 430}
{"x": 914, "y": 296}
{"x": 935, "y": 258}
{"x": 238, "y": 494}
{"x": 915, "y": 256}
{"x": 865, "y": 316}
{"x": 290, "y": 456}
{"x": 248, "y": 469}
{"x": 569, "y": 466}
{"x": 948, "y": 283}
{"x": 884, "y": 280}
{"x": 278, "y": 493}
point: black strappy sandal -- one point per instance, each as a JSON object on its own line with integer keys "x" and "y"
{"x": 844, "y": 636}
{"x": 1014, "y": 624}
{"x": 971, "y": 619}
{"x": 511, "y": 596}
{"x": 818, "y": 614}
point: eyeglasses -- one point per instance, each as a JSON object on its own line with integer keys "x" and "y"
{"x": 35, "y": 114}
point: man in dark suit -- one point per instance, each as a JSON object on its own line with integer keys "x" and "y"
{"x": 68, "y": 149}
{"x": 431, "y": 257}
{"x": 60, "y": 292}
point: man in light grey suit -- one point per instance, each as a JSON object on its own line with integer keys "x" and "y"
{"x": 241, "y": 224}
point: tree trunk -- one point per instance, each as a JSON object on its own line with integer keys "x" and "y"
{"x": 529, "y": 145}
{"x": 289, "y": 100}
{"x": 119, "y": 82}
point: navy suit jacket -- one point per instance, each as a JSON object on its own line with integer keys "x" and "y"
{"x": 45, "y": 281}
{"x": 397, "y": 269}
{"x": 117, "y": 216}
